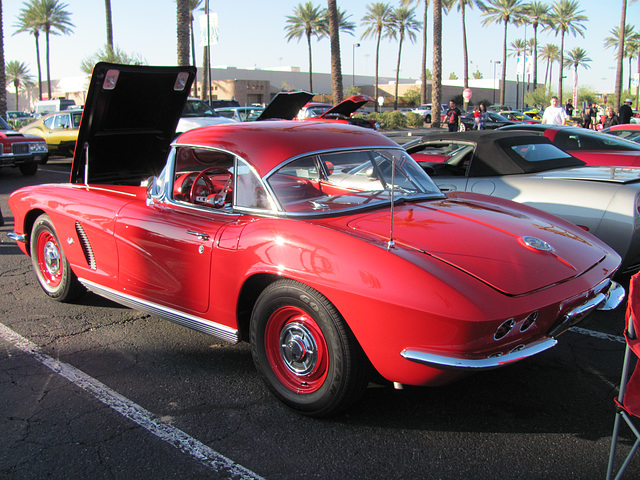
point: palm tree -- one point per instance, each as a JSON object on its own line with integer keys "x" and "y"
{"x": 114, "y": 55}
{"x": 423, "y": 71}
{"x": 613, "y": 42}
{"x": 517, "y": 48}
{"x": 107, "y": 10}
{"x": 462, "y": 4}
{"x": 18, "y": 74}
{"x": 3, "y": 79}
{"x": 307, "y": 21}
{"x": 634, "y": 51}
{"x": 52, "y": 19}
{"x": 621, "y": 51}
{"x": 537, "y": 13}
{"x": 502, "y": 11}
{"x": 436, "y": 82}
{"x": 331, "y": 15}
{"x": 549, "y": 53}
{"x": 182, "y": 20}
{"x": 577, "y": 57}
{"x": 27, "y": 23}
{"x": 403, "y": 25}
{"x": 193, "y": 6}
{"x": 564, "y": 18}
{"x": 378, "y": 21}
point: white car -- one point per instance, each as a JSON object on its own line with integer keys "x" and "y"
{"x": 425, "y": 111}
{"x": 196, "y": 114}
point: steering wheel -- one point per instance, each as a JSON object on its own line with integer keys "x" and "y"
{"x": 207, "y": 188}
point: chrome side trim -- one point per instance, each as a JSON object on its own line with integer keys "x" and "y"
{"x": 615, "y": 296}
{"x": 477, "y": 364}
{"x": 222, "y": 332}
{"x": 16, "y": 237}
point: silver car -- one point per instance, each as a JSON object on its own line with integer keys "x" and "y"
{"x": 529, "y": 169}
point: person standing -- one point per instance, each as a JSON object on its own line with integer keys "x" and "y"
{"x": 611, "y": 119}
{"x": 593, "y": 111}
{"x": 453, "y": 117}
{"x": 484, "y": 116}
{"x": 569, "y": 108}
{"x": 477, "y": 115}
{"x": 625, "y": 112}
{"x": 554, "y": 114}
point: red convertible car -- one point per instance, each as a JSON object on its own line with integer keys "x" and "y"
{"x": 593, "y": 148}
{"x": 323, "y": 245}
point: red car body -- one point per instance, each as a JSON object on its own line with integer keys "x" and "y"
{"x": 302, "y": 248}
{"x": 593, "y": 148}
{"x": 628, "y": 131}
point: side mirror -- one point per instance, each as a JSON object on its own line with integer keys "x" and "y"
{"x": 154, "y": 191}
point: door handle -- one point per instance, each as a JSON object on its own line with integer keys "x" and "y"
{"x": 200, "y": 235}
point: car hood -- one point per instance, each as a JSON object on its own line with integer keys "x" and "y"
{"x": 348, "y": 106}
{"x": 285, "y": 105}
{"x": 508, "y": 249}
{"x": 595, "y": 174}
{"x": 128, "y": 122}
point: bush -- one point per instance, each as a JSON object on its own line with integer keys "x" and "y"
{"x": 393, "y": 120}
{"x": 414, "y": 120}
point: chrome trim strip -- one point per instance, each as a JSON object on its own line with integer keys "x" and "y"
{"x": 222, "y": 332}
{"x": 17, "y": 237}
{"x": 476, "y": 364}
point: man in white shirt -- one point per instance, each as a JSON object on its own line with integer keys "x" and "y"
{"x": 554, "y": 114}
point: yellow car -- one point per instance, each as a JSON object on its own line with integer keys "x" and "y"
{"x": 59, "y": 130}
{"x": 533, "y": 113}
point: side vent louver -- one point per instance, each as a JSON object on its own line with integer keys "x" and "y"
{"x": 86, "y": 246}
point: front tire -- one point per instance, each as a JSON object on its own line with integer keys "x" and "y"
{"x": 28, "y": 169}
{"x": 50, "y": 263}
{"x": 304, "y": 350}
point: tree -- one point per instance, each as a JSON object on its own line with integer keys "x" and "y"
{"x": 621, "y": 51}
{"x": 27, "y": 23}
{"x": 477, "y": 75}
{"x": 424, "y": 69}
{"x": 453, "y": 76}
{"x": 613, "y": 42}
{"x": 436, "y": 91}
{"x": 517, "y": 48}
{"x": 378, "y": 21}
{"x": 462, "y": 4}
{"x": 337, "y": 21}
{"x": 3, "y": 79}
{"x": 403, "y": 25}
{"x": 307, "y": 21}
{"x": 182, "y": 21}
{"x": 564, "y": 18}
{"x": 18, "y": 74}
{"x": 115, "y": 55}
{"x": 549, "y": 53}
{"x": 577, "y": 57}
{"x": 537, "y": 13}
{"x": 502, "y": 11}
{"x": 107, "y": 11}
{"x": 193, "y": 6}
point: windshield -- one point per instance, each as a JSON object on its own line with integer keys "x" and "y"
{"x": 197, "y": 108}
{"x": 335, "y": 181}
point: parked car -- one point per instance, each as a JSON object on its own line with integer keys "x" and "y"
{"x": 21, "y": 150}
{"x": 43, "y": 107}
{"x": 18, "y": 115}
{"x": 425, "y": 111}
{"x": 240, "y": 114}
{"x": 534, "y": 113}
{"x": 499, "y": 108}
{"x": 528, "y": 168}
{"x": 494, "y": 120}
{"x": 516, "y": 116}
{"x": 594, "y": 148}
{"x": 197, "y": 113}
{"x": 628, "y": 131}
{"x": 297, "y": 105}
{"x": 59, "y": 130}
{"x": 324, "y": 245}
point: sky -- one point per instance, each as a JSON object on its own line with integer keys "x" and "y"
{"x": 252, "y": 36}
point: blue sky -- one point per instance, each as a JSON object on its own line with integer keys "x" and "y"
{"x": 252, "y": 36}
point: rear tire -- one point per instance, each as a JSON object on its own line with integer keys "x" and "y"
{"x": 50, "y": 263}
{"x": 304, "y": 350}
{"x": 28, "y": 169}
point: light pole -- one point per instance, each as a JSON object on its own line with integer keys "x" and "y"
{"x": 494, "y": 79}
{"x": 353, "y": 66}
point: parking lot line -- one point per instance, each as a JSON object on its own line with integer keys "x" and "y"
{"x": 134, "y": 412}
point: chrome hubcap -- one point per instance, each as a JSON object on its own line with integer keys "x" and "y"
{"x": 298, "y": 348}
{"x": 51, "y": 258}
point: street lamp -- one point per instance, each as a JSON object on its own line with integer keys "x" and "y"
{"x": 353, "y": 65}
{"x": 494, "y": 79}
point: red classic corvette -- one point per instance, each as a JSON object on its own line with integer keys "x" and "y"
{"x": 323, "y": 245}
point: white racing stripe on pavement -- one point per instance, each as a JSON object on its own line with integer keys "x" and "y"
{"x": 183, "y": 442}
{"x": 600, "y": 335}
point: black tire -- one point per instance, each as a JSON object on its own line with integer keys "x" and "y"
{"x": 28, "y": 169}
{"x": 304, "y": 350}
{"x": 50, "y": 263}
